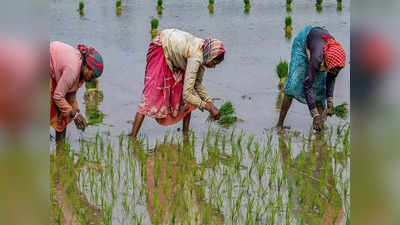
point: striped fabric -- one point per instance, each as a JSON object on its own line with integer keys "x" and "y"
{"x": 211, "y": 49}
{"x": 92, "y": 58}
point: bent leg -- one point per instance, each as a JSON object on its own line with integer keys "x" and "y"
{"x": 286, "y": 103}
{"x": 60, "y": 140}
{"x": 136, "y": 125}
{"x": 185, "y": 130}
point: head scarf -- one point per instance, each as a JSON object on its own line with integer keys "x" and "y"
{"x": 334, "y": 54}
{"x": 92, "y": 59}
{"x": 211, "y": 49}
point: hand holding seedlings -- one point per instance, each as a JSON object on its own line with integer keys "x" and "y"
{"x": 214, "y": 113}
{"x": 80, "y": 121}
{"x": 317, "y": 123}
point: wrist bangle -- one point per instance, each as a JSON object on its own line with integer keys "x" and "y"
{"x": 314, "y": 113}
{"x": 76, "y": 115}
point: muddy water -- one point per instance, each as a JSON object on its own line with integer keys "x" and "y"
{"x": 255, "y": 43}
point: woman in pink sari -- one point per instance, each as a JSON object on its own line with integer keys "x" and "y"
{"x": 69, "y": 69}
{"x": 173, "y": 78}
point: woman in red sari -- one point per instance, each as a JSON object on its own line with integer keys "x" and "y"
{"x": 176, "y": 61}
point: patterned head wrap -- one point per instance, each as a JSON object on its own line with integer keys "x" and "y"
{"x": 92, "y": 59}
{"x": 211, "y": 49}
{"x": 334, "y": 54}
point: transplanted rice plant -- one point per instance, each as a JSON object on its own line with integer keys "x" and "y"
{"x": 288, "y": 27}
{"x": 118, "y": 7}
{"x": 154, "y": 27}
{"x": 160, "y": 6}
{"x": 282, "y": 70}
{"x": 81, "y": 8}
{"x": 211, "y": 6}
{"x": 288, "y": 21}
{"x": 247, "y": 6}
{"x": 289, "y": 5}
{"x": 339, "y": 5}
{"x": 318, "y": 5}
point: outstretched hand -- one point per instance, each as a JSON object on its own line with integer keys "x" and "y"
{"x": 80, "y": 121}
{"x": 318, "y": 123}
{"x": 214, "y": 113}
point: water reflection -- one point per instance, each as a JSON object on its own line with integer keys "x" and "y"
{"x": 93, "y": 97}
{"x": 313, "y": 194}
{"x": 175, "y": 195}
{"x": 69, "y": 206}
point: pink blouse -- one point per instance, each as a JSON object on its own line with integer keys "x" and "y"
{"x": 65, "y": 69}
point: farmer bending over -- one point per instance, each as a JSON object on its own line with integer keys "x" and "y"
{"x": 316, "y": 59}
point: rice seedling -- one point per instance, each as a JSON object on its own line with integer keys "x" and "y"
{"x": 159, "y": 6}
{"x": 154, "y": 27}
{"x": 118, "y": 7}
{"x": 211, "y": 6}
{"x": 81, "y": 8}
{"x": 339, "y": 5}
{"x": 282, "y": 70}
{"x": 227, "y": 117}
{"x": 318, "y": 5}
{"x": 288, "y": 27}
{"x": 341, "y": 111}
{"x": 247, "y": 6}
{"x": 289, "y": 5}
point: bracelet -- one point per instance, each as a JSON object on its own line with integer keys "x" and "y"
{"x": 76, "y": 115}
{"x": 315, "y": 113}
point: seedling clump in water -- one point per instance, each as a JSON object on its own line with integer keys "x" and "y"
{"x": 81, "y": 8}
{"x": 289, "y": 5}
{"x": 282, "y": 69}
{"x": 247, "y": 6}
{"x": 318, "y": 5}
{"x": 211, "y": 6}
{"x": 288, "y": 27}
{"x": 227, "y": 112}
{"x": 159, "y": 6}
{"x": 341, "y": 111}
{"x": 118, "y": 7}
{"x": 154, "y": 26}
{"x": 339, "y": 5}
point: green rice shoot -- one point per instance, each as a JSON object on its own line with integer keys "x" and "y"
{"x": 282, "y": 69}
{"x": 154, "y": 23}
{"x": 227, "y": 116}
{"x": 341, "y": 111}
{"x": 288, "y": 21}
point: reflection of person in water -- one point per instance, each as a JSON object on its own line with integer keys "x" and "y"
{"x": 69, "y": 69}
{"x": 69, "y": 200}
{"x": 316, "y": 204}
{"x": 176, "y": 62}
{"x": 316, "y": 60}
{"x": 173, "y": 190}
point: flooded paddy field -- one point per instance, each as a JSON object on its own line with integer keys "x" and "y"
{"x": 246, "y": 174}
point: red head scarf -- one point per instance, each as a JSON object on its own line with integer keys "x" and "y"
{"x": 334, "y": 54}
{"x": 92, "y": 59}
